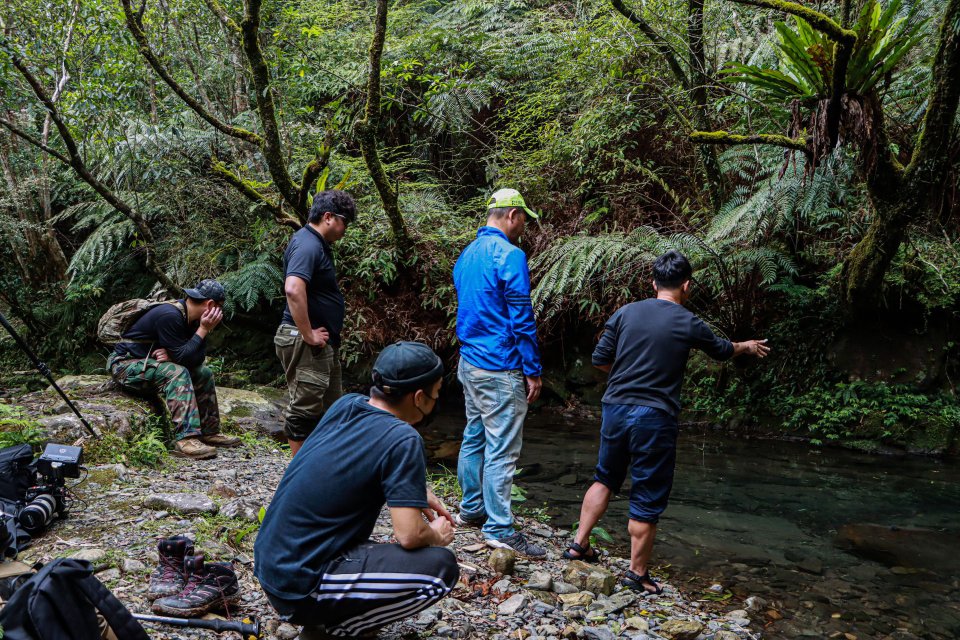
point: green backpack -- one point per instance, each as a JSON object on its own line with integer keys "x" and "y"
{"x": 120, "y": 317}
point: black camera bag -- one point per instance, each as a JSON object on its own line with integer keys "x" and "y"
{"x": 17, "y": 471}
{"x": 61, "y": 602}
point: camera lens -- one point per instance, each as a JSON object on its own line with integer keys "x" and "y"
{"x": 39, "y": 513}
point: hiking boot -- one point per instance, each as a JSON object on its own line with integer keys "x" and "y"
{"x": 168, "y": 579}
{"x": 519, "y": 543}
{"x": 220, "y": 440}
{"x": 476, "y": 523}
{"x": 193, "y": 448}
{"x": 211, "y": 586}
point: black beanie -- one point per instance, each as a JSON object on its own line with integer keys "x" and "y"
{"x": 403, "y": 367}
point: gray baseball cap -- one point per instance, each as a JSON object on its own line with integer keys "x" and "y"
{"x": 208, "y": 289}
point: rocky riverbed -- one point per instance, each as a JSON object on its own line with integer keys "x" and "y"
{"x": 123, "y": 510}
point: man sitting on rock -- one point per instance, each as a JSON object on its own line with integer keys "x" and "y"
{"x": 644, "y": 348}
{"x": 313, "y": 556}
{"x": 163, "y": 353}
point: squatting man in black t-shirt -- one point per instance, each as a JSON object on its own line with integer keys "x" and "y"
{"x": 308, "y": 337}
{"x": 313, "y": 556}
{"x": 644, "y": 348}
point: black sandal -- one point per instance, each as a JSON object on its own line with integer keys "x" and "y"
{"x": 588, "y": 554}
{"x": 637, "y": 582}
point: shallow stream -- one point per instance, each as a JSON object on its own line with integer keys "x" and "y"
{"x": 836, "y": 542}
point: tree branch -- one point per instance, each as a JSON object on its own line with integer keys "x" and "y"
{"x": 722, "y": 137}
{"x": 366, "y": 132}
{"x": 272, "y": 146}
{"x": 34, "y": 141}
{"x": 80, "y": 168}
{"x": 251, "y": 193}
{"x": 820, "y": 21}
{"x": 313, "y": 171}
{"x": 224, "y": 18}
{"x": 136, "y": 29}
{"x": 658, "y": 41}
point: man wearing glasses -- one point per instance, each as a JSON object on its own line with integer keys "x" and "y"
{"x": 309, "y": 332}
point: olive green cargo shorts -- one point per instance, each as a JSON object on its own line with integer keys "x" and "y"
{"x": 313, "y": 381}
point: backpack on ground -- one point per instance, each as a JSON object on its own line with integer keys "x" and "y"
{"x": 17, "y": 471}
{"x": 120, "y": 317}
{"x": 61, "y": 602}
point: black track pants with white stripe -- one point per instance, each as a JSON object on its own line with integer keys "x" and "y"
{"x": 372, "y": 585}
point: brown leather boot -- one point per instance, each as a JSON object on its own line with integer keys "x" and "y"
{"x": 220, "y": 440}
{"x": 193, "y": 448}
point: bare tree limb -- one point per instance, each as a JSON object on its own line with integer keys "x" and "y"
{"x": 313, "y": 171}
{"x": 80, "y": 168}
{"x": 820, "y": 21}
{"x": 20, "y": 133}
{"x": 135, "y": 26}
{"x": 366, "y": 132}
{"x": 251, "y": 193}
{"x": 659, "y": 41}
{"x": 722, "y": 137}
{"x": 272, "y": 145}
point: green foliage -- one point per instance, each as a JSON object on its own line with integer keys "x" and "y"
{"x": 143, "y": 447}
{"x": 806, "y": 56}
{"x": 866, "y": 409}
{"x": 15, "y": 428}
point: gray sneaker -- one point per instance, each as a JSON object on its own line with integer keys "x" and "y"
{"x": 460, "y": 521}
{"x": 519, "y": 543}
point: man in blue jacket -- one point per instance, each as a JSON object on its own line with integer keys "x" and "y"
{"x": 499, "y": 368}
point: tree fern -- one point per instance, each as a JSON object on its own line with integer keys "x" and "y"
{"x": 259, "y": 279}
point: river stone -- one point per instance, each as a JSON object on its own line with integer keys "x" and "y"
{"x": 547, "y": 597}
{"x": 638, "y": 623}
{"x": 811, "y": 565}
{"x": 502, "y": 560}
{"x": 503, "y": 586}
{"x": 92, "y": 556}
{"x": 726, "y": 635}
{"x": 130, "y": 565}
{"x": 540, "y": 581}
{"x": 580, "y": 599}
{"x": 286, "y": 631}
{"x": 754, "y": 603}
{"x": 221, "y": 490}
{"x": 251, "y": 410}
{"x": 589, "y": 578}
{"x": 598, "y": 633}
{"x": 570, "y": 631}
{"x": 680, "y": 629}
{"x": 184, "y": 503}
{"x": 246, "y": 508}
{"x": 512, "y": 605}
{"x": 547, "y": 630}
{"x": 615, "y": 603}
{"x": 108, "y": 574}
{"x": 559, "y": 586}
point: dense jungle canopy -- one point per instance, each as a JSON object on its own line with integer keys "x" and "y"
{"x": 804, "y": 155}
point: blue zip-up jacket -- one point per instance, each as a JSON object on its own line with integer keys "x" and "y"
{"x": 495, "y": 323}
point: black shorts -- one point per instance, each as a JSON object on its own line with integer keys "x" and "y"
{"x": 645, "y": 440}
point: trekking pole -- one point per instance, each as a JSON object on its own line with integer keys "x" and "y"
{"x": 45, "y": 370}
{"x": 245, "y": 629}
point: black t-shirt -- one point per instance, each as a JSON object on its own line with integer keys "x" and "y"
{"x": 358, "y": 458}
{"x": 648, "y": 343}
{"x": 308, "y": 257}
{"x": 164, "y": 326}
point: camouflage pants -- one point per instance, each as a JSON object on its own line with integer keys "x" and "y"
{"x": 190, "y": 395}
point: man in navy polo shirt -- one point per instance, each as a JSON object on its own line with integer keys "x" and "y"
{"x": 499, "y": 368}
{"x": 309, "y": 334}
{"x": 644, "y": 348}
{"x": 313, "y": 556}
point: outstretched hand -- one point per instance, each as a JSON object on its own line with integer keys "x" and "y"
{"x": 757, "y": 348}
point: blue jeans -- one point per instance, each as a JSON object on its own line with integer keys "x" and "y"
{"x": 496, "y": 403}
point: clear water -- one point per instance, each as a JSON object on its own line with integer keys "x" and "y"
{"x": 762, "y": 518}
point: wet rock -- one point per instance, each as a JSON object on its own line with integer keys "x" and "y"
{"x": 184, "y": 503}
{"x": 811, "y": 565}
{"x": 680, "y": 629}
{"x": 589, "y": 577}
{"x": 244, "y": 508}
{"x": 726, "y": 635}
{"x": 512, "y": 605}
{"x": 93, "y": 556}
{"x": 754, "y": 603}
{"x": 540, "y": 581}
{"x": 502, "y": 560}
